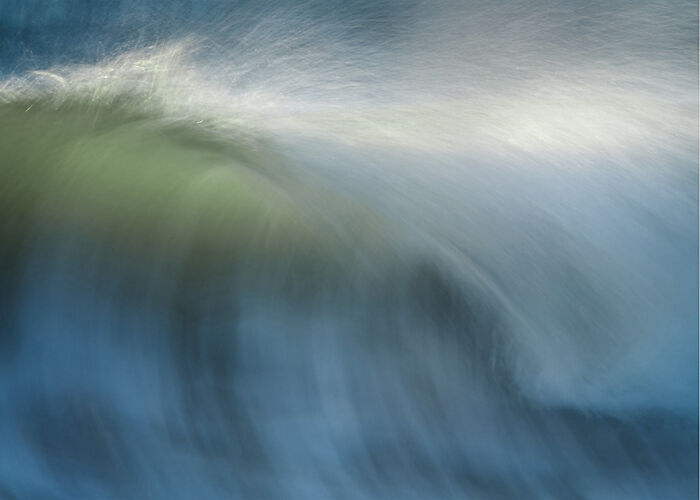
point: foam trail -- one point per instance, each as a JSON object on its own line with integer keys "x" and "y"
{"x": 368, "y": 250}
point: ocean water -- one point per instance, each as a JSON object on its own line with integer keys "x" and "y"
{"x": 348, "y": 250}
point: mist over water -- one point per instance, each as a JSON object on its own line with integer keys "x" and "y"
{"x": 348, "y": 250}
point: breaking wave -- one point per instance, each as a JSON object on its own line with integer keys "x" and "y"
{"x": 378, "y": 251}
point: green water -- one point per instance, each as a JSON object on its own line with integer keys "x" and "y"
{"x": 158, "y": 188}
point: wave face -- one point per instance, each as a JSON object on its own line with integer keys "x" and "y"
{"x": 368, "y": 250}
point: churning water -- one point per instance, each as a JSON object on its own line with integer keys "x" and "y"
{"x": 348, "y": 250}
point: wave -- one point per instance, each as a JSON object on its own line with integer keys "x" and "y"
{"x": 291, "y": 270}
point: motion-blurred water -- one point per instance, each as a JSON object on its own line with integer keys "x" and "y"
{"x": 348, "y": 250}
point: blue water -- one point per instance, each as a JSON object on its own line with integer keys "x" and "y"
{"x": 348, "y": 250}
